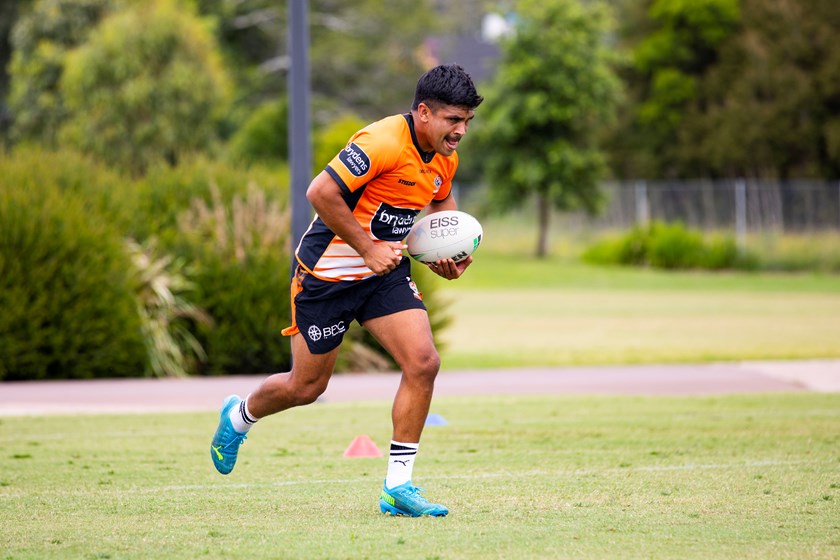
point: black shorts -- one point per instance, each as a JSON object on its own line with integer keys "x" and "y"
{"x": 322, "y": 311}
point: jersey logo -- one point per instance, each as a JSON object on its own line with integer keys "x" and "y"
{"x": 391, "y": 223}
{"x": 438, "y": 183}
{"x": 355, "y": 159}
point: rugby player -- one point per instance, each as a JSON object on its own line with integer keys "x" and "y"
{"x": 350, "y": 266}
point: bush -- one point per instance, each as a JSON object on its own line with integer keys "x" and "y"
{"x": 67, "y": 307}
{"x": 166, "y": 192}
{"x": 669, "y": 246}
{"x": 249, "y": 303}
{"x": 240, "y": 258}
{"x": 672, "y": 246}
{"x": 104, "y": 192}
{"x": 264, "y": 136}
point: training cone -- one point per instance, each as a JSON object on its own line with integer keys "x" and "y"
{"x": 436, "y": 420}
{"x": 362, "y": 446}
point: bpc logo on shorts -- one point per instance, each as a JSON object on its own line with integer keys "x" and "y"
{"x": 314, "y": 333}
{"x": 317, "y": 333}
{"x": 355, "y": 159}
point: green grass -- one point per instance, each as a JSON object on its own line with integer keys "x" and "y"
{"x": 550, "y": 477}
{"x": 511, "y": 311}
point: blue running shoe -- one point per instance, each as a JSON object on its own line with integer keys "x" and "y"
{"x": 226, "y": 440}
{"x": 405, "y": 499}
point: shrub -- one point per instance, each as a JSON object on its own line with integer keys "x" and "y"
{"x": 240, "y": 257}
{"x": 264, "y": 136}
{"x": 103, "y": 191}
{"x": 165, "y": 314}
{"x": 669, "y": 246}
{"x": 333, "y": 138}
{"x": 166, "y": 192}
{"x": 67, "y": 304}
{"x": 673, "y": 246}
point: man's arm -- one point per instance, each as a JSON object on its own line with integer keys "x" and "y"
{"x": 325, "y": 196}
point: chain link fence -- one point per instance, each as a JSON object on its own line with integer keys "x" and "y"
{"x": 741, "y": 205}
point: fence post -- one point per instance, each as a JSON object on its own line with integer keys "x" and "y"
{"x": 642, "y": 206}
{"x": 741, "y": 213}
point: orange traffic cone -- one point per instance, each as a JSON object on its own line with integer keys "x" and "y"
{"x": 362, "y": 446}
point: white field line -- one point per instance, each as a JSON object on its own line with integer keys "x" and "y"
{"x": 367, "y": 480}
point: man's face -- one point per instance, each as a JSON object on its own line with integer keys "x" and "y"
{"x": 443, "y": 127}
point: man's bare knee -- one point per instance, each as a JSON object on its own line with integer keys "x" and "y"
{"x": 308, "y": 393}
{"x": 424, "y": 368}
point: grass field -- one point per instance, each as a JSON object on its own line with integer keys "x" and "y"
{"x": 511, "y": 311}
{"x": 554, "y": 477}
{"x": 740, "y": 476}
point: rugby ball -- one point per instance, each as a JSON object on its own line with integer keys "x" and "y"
{"x": 449, "y": 234}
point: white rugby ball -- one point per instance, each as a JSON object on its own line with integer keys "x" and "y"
{"x": 449, "y": 234}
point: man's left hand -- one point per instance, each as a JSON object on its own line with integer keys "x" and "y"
{"x": 449, "y": 269}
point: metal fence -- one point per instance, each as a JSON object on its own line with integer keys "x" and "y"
{"x": 739, "y": 205}
{"x": 742, "y": 205}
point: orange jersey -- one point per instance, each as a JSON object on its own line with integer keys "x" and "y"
{"x": 386, "y": 180}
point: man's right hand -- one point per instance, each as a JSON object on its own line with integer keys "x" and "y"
{"x": 384, "y": 256}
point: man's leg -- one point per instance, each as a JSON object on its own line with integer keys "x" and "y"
{"x": 307, "y": 380}
{"x": 407, "y": 336}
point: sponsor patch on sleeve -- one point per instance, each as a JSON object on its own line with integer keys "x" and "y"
{"x": 355, "y": 160}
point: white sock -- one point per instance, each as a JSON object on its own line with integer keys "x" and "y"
{"x": 400, "y": 463}
{"x": 241, "y": 417}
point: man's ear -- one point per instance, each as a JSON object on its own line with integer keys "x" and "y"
{"x": 424, "y": 112}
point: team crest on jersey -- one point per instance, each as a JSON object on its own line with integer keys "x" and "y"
{"x": 355, "y": 159}
{"x": 438, "y": 183}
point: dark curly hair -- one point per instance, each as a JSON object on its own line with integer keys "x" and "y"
{"x": 447, "y": 84}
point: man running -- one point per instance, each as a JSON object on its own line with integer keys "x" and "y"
{"x": 350, "y": 266}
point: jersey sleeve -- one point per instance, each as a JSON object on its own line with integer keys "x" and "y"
{"x": 365, "y": 157}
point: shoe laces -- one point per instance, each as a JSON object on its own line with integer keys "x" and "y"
{"x": 236, "y": 440}
{"x": 414, "y": 494}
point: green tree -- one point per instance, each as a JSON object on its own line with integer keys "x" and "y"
{"x": 771, "y": 106}
{"x": 672, "y": 49}
{"x": 40, "y": 40}
{"x": 9, "y": 11}
{"x": 553, "y": 92}
{"x": 365, "y": 55}
{"x": 147, "y": 86}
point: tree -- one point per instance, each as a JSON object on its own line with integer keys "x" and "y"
{"x": 730, "y": 88}
{"x": 365, "y": 54}
{"x": 40, "y": 40}
{"x": 554, "y": 90}
{"x": 9, "y": 11}
{"x": 673, "y": 44}
{"x": 147, "y": 86}
{"x": 771, "y": 106}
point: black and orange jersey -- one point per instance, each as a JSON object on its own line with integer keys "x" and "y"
{"x": 387, "y": 179}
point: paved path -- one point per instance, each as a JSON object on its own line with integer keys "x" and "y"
{"x": 206, "y": 393}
